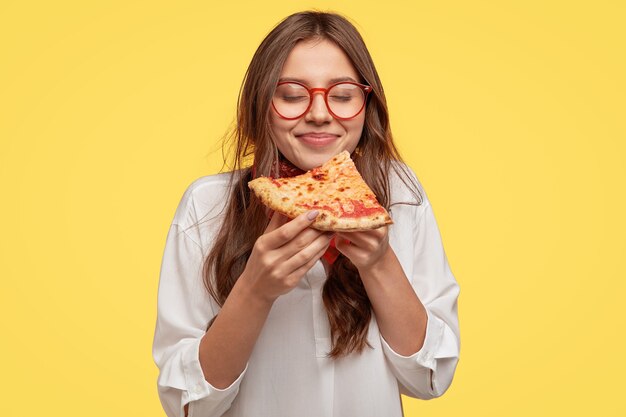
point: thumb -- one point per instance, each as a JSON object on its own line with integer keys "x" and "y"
{"x": 341, "y": 243}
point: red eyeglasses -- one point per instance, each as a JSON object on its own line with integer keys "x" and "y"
{"x": 344, "y": 100}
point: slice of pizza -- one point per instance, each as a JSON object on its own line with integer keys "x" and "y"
{"x": 335, "y": 189}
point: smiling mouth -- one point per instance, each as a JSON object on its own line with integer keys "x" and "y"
{"x": 317, "y": 139}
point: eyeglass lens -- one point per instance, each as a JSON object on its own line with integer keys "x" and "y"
{"x": 344, "y": 100}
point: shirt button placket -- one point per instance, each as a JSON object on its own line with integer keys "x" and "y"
{"x": 321, "y": 329}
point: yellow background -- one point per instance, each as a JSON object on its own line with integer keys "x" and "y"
{"x": 511, "y": 113}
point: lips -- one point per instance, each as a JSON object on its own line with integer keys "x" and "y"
{"x": 317, "y": 139}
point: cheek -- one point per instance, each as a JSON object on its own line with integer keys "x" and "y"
{"x": 355, "y": 127}
{"x": 281, "y": 130}
{"x": 278, "y": 126}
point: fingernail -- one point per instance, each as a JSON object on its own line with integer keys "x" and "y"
{"x": 311, "y": 215}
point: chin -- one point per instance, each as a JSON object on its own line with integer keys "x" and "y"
{"x": 309, "y": 157}
{"x": 313, "y": 161}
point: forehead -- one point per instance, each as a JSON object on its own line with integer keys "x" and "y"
{"x": 318, "y": 62}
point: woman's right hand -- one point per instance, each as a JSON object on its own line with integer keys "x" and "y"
{"x": 283, "y": 254}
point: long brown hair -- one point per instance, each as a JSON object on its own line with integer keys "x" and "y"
{"x": 344, "y": 296}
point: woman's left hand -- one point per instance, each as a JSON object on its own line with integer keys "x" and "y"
{"x": 365, "y": 248}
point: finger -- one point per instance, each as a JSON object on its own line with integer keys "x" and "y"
{"x": 345, "y": 246}
{"x": 344, "y": 238}
{"x": 363, "y": 238}
{"x": 323, "y": 250}
{"x": 317, "y": 247}
{"x": 299, "y": 243}
{"x": 287, "y": 231}
{"x": 277, "y": 220}
{"x": 307, "y": 266}
{"x": 303, "y": 269}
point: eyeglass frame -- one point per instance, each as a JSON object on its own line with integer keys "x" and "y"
{"x": 365, "y": 88}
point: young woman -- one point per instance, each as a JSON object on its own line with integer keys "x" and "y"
{"x": 259, "y": 315}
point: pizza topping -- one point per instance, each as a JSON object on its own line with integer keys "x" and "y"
{"x": 359, "y": 209}
{"x": 318, "y": 175}
{"x": 349, "y": 208}
{"x": 318, "y": 207}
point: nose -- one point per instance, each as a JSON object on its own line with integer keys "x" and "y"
{"x": 318, "y": 112}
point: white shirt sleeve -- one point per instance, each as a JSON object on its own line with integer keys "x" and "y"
{"x": 428, "y": 373}
{"x": 183, "y": 313}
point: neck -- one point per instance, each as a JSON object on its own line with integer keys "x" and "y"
{"x": 287, "y": 169}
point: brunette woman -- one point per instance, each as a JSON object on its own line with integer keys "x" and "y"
{"x": 260, "y": 315}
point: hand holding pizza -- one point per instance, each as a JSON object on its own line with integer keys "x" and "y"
{"x": 346, "y": 204}
{"x": 283, "y": 254}
{"x": 365, "y": 248}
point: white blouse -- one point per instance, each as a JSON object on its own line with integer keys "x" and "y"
{"x": 288, "y": 374}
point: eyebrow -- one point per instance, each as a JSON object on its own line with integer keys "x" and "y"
{"x": 331, "y": 81}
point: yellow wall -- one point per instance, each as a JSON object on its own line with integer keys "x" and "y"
{"x": 511, "y": 113}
